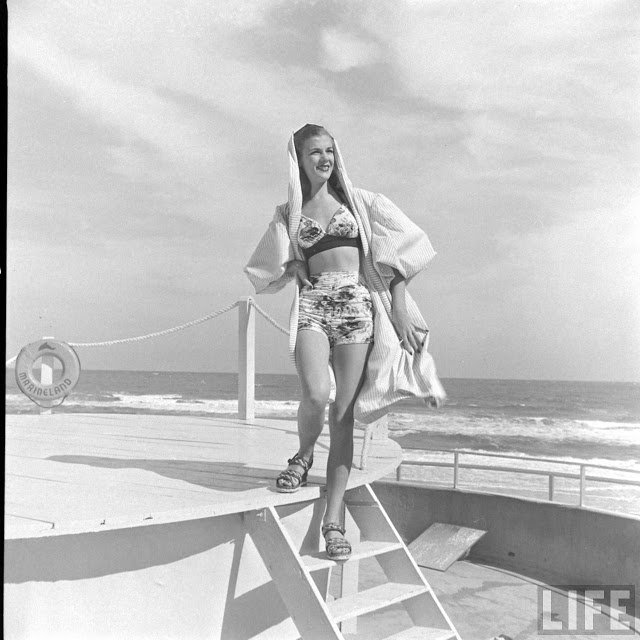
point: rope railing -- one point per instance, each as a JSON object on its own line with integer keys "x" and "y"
{"x": 180, "y": 327}
{"x": 269, "y": 319}
{"x": 154, "y": 334}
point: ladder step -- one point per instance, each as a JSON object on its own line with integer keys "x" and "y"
{"x": 423, "y": 633}
{"x": 360, "y": 550}
{"x": 373, "y": 599}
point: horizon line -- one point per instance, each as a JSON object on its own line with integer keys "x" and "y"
{"x": 295, "y": 374}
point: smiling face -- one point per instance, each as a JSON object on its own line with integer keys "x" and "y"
{"x": 317, "y": 158}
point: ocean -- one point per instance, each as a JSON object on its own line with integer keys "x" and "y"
{"x": 595, "y": 422}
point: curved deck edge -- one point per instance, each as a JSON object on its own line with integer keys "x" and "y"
{"x": 52, "y": 482}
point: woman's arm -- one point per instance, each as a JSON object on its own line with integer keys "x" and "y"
{"x": 411, "y": 336}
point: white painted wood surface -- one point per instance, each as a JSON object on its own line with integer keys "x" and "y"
{"x": 246, "y": 358}
{"x": 300, "y": 593}
{"x": 373, "y": 599}
{"x": 69, "y": 473}
{"x": 422, "y": 633}
{"x": 399, "y": 566}
{"x": 361, "y": 550}
{"x": 439, "y": 546}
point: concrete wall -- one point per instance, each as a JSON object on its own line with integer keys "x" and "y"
{"x": 555, "y": 543}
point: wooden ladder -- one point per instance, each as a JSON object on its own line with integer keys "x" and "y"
{"x": 302, "y": 579}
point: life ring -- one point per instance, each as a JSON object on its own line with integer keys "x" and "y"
{"x": 47, "y": 395}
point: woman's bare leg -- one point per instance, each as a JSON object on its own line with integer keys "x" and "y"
{"x": 312, "y": 359}
{"x": 349, "y": 362}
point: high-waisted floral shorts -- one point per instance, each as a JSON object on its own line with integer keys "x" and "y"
{"x": 339, "y": 305}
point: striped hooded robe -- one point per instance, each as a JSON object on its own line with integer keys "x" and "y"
{"x": 390, "y": 240}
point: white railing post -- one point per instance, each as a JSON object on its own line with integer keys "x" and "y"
{"x": 246, "y": 358}
{"x": 455, "y": 469}
{"x": 46, "y": 375}
{"x": 552, "y": 480}
{"x": 583, "y": 480}
{"x": 376, "y": 430}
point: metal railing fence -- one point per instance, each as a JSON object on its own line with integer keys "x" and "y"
{"x": 581, "y": 475}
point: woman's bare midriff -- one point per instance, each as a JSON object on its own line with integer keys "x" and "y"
{"x": 336, "y": 259}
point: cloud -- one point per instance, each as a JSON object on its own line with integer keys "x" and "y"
{"x": 491, "y": 54}
{"x": 135, "y": 112}
{"x": 196, "y": 56}
{"x": 343, "y": 50}
{"x": 155, "y": 140}
{"x": 532, "y": 80}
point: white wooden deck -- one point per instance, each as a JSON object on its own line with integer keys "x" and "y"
{"x": 74, "y": 473}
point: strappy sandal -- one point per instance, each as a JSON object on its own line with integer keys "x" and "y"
{"x": 337, "y": 548}
{"x": 290, "y": 480}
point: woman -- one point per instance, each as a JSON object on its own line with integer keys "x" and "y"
{"x": 351, "y": 253}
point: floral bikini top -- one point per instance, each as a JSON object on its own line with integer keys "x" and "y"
{"x": 342, "y": 231}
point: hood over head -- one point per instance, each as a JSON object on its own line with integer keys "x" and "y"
{"x": 339, "y": 180}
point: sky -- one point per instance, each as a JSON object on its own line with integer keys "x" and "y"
{"x": 147, "y": 152}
